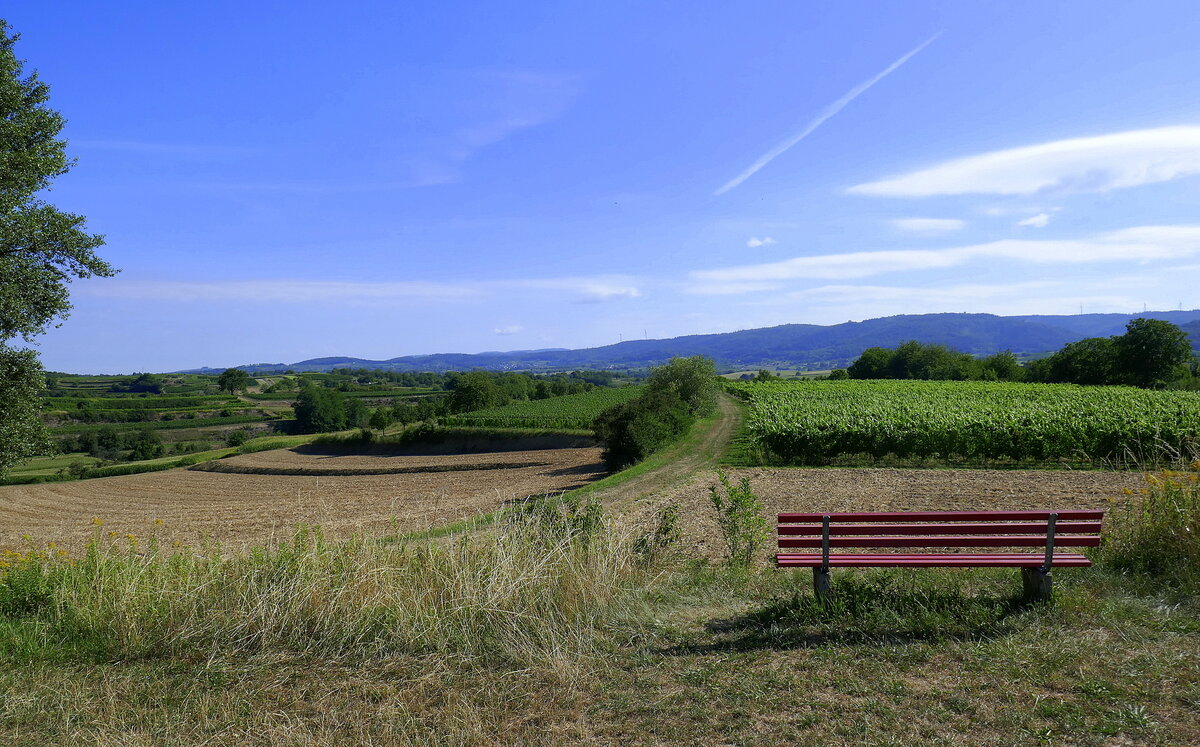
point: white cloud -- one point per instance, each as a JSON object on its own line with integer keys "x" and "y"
{"x": 833, "y": 303}
{"x": 928, "y": 226}
{"x": 511, "y": 329}
{"x": 820, "y": 119}
{"x": 1036, "y": 221}
{"x": 1089, "y": 164}
{"x": 578, "y": 289}
{"x": 754, "y": 242}
{"x": 1138, "y": 244}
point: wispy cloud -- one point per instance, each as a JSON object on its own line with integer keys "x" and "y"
{"x": 820, "y": 119}
{"x": 1140, "y": 244}
{"x": 1036, "y": 221}
{"x": 511, "y": 329}
{"x": 754, "y": 242}
{"x": 573, "y": 289}
{"x": 1089, "y": 164}
{"x": 840, "y": 302}
{"x": 928, "y": 226}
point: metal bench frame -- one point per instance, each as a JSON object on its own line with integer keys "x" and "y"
{"x": 940, "y": 529}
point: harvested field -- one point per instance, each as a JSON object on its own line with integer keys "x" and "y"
{"x": 830, "y": 489}
{"x": 238, "y": 510}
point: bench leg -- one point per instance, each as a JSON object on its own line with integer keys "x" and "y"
{"x": 1037, "y": 584}
{"x": 821, "y": 584}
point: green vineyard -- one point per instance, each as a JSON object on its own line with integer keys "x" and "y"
{"x": 816, "y": 422}
{"x": 571, "y": 412}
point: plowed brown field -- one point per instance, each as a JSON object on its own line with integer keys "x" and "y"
{"x": 833, "y": 490}
{"x": 253, "y": 509}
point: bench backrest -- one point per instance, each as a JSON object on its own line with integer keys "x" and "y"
{"x": 889, "y": 529}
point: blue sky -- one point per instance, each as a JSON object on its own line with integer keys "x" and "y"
{"x": 280, "y": 181}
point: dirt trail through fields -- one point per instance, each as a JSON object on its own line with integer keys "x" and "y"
{"x": 685, "y": 465}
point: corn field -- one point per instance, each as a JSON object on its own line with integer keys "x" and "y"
{"x": 814, "y": 422}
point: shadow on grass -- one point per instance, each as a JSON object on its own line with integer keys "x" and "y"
{"x": 877, "y": 608}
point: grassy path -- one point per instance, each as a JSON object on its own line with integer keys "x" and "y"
{"x": 702, "y": 449}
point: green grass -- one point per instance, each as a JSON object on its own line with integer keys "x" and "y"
{"x": 166, "y": 425}
{"x": 572, "y": 411}
{"x": 543, "y": 636}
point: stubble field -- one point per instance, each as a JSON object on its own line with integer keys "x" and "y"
{"x": 246, "y": 509}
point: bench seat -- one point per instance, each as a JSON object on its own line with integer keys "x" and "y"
{"x": 884, "y": 539}
{"x": 930, "y": 560}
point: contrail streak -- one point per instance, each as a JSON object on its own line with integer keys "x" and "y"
{"x": 820, "y": 119}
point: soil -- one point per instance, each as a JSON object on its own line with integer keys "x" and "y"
{"x": 240, "y": 510}
{"x": 839, "y": 489}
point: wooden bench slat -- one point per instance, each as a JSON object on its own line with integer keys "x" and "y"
{"x": 929, "y": 560}
{"x": 941, "y": 516}
{"x": 814, "y": 530}
{"x": 944, "y": 541}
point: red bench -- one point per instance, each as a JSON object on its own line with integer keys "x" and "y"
{"x": 892, "y": 531}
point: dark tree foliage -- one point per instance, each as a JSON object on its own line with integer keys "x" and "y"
{"x": 675, "y": 394}
{"x": 632, "y": 431}
{"x": 475, "y": 390}
{"x": 320, "y": 410}
{"x": 1151, "y": 352}
{"x": 234, "y": 380}
{"x": 41, "y": 248}
{"x": 693, "y": 379}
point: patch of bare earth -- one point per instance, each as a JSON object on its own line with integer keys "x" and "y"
{"x": 835, "y": 490}
{"x": 239, "y": 510}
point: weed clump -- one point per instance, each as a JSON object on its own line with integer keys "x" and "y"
{"x": 1158, "y": 534}
{"x": 739, "y": 514}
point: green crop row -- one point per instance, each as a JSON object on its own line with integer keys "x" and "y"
{"x": 572, "y": 411}
{"x": 138, "y": 402}
{"x": 160, "y": 425}
{"x": 815, "y": 422}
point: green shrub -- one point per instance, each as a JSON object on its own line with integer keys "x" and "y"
{"x": 739, "y": 514}
{"x": 632, "y": 431}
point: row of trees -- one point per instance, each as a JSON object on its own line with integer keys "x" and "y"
{"x": 111, "y": 445}
{"x": 914, "y": 360}
{"x": 1151, "y": 353}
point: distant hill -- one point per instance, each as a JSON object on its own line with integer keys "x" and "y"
{"x": 1193, "y": 330}
{"x": 804, "y": 346}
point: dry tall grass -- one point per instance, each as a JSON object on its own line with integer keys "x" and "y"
{"x": 533, "y": 593}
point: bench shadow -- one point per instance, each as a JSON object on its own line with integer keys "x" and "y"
{"x": 861, "y": 614}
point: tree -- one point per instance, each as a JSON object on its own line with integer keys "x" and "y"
{"x": 1151, "y": 352}
{"x": 1091, "y": 360}
{"x": 475, "y": 390}
{"x": 234, "y": 380}
{"x": 41, "y": 247}
{"x": 319, "y": 410}
{"x": 871, "y": 364}
{"x": 693, "y": 379}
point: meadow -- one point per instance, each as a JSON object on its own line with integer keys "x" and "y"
{"x": 822, "y": 422}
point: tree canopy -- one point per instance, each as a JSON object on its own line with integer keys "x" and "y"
{"x": 41, "y": 247}
{"x": 234, "y": 380}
